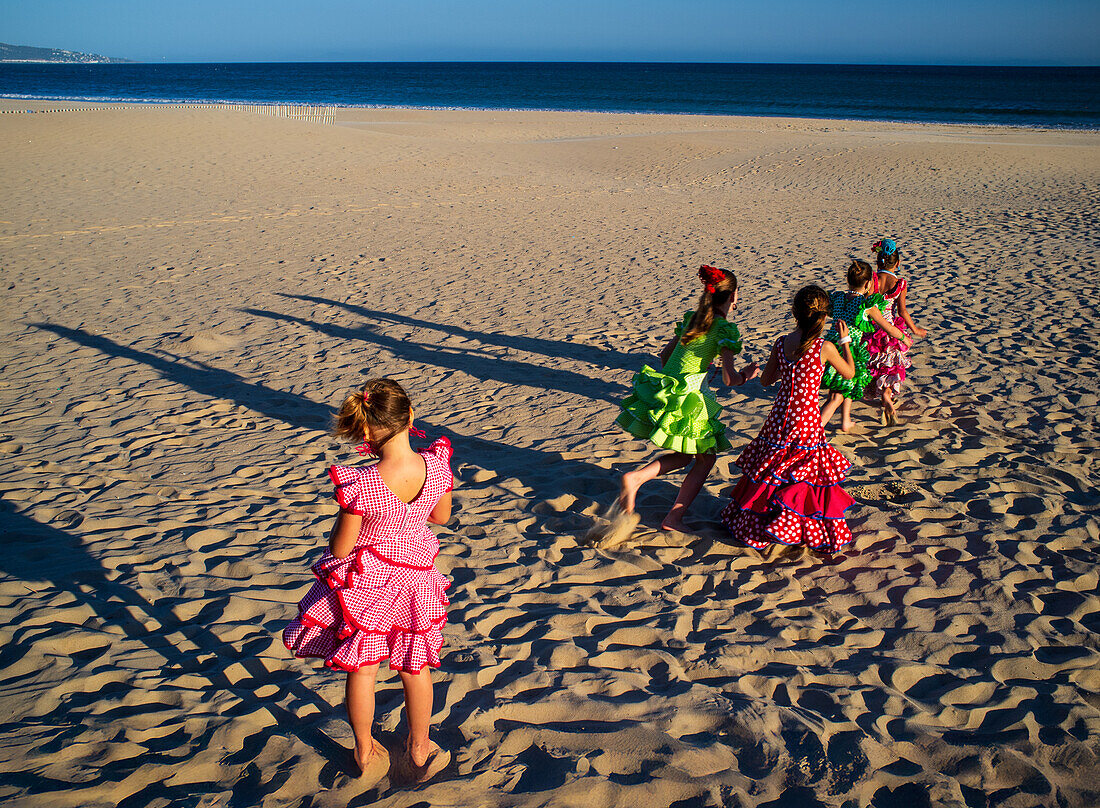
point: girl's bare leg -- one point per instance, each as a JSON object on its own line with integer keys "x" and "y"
{"x": 359, "y": 700}
{"x": 418, "y": 712}
{"x": 633, "y": 480}
{"x": 693, "y": 484}
{"x": 888, "y": 408}
{"x": 830, "y": 407}
{"x": 846, "y": 415}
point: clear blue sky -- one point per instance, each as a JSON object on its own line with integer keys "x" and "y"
{"x": 846, "y": 31}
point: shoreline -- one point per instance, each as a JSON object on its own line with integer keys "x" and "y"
{"x": 123, "y": 103}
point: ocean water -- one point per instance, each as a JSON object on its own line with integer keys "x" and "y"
{"x": 1020, "y": 96}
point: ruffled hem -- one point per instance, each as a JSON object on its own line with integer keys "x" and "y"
{"x": 879, "y": 342}
{"x": 672, "y": 414}
{"x": 889, "y": 381}
{"x": 850, "y": 388}
{"x": 783, "y": 463}
{"x": 361, "y": 610}
{"x": 410, "y": 653}
{"x": 761, "y": 514}
{"x": 760, "y": 532}
{"x": 811, "y": 501}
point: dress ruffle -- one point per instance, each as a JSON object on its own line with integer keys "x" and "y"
{"x": 888, "y": 359}
{"x": 790, "y": 494}
{"x": 819, "y": 465}
{"x": 860, "y": 327}
{"x": 673, "y": 413}
{"x": 362, "y": 610}
{"x": 850, "y": 388}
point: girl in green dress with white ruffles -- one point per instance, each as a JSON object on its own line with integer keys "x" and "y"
{"x": 673, "y": 407}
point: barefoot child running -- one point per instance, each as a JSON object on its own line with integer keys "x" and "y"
{"x": 790, "y": 492}
{"x": 378, "y": 595}
{"x": 861, "y": 311}
{"x": 888, "y": 356}
{"x": 674, "y": 409}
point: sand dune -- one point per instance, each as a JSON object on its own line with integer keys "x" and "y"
{"x": 187, "y": 293}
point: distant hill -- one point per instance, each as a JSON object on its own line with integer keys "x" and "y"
{"x": 25, "y": 53}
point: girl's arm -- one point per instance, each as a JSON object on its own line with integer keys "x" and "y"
{"x": 441, "y": 513}
{"x": 732, "y": 377}
{"x": 341, "y": 541}
{"x": 771, "y": 370}
{"x": 904, "y": 312}
{"x": 844, "y": 364}
{"x": 666, "y": 352}
{"x": 889, "y": 328}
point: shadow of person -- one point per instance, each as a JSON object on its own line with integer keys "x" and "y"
{"x": 481, "y": 366}
{"x": 44, "y": 554}
{"x": 525, "y": 464}
{"x": 578, "y": 351}
{"x": 291, "y": 408}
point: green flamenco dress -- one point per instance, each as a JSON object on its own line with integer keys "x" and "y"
{"x": 673, "y": 407}
{"x": 852, "y": 309}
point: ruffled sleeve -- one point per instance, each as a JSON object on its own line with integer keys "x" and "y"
{"x": 442, "y": 452}
{"x": 729, "y": 338}
{"x": 351, "y": 487}
{"x": 682, "y": 327}
{"x": 873, "y": 301}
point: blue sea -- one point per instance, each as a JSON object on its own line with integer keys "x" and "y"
{"x": 1019, "y": 96}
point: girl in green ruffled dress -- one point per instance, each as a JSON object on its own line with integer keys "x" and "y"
{"x": 673, "y": 408}
{"x": 861, "y": 309}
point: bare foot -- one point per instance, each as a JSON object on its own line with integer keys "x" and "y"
{"x": 372, "y": 762}
{"x": 423, "y": 763}
{"x": 846, "y": 425}
{"x": 628, "y": 491}
{"x": 674, "y": 522}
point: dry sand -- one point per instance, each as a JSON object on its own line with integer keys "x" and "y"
{"x": 186, "y": 293}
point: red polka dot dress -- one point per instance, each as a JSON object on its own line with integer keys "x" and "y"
{"x": 386, "y": 599}
{"x": 790, "y": 489}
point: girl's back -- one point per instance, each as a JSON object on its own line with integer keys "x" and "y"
{"x": 698, "y": 354}
{"x": 794, "y": 416}
{"x": 393, "y": 528}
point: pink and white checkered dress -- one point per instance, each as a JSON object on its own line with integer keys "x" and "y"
{"x": 386, "y": 599}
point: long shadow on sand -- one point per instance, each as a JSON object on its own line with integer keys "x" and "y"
{"x": 530, "y": 466}
{"x": 38, "y": 552}
{"x": 559, "y": 350}
{"x": 486, "y": 368}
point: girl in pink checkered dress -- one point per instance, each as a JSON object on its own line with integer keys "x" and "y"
{"x": 378, "y": 595}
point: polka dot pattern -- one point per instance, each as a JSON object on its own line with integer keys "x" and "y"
{"x": 790, "y": 492}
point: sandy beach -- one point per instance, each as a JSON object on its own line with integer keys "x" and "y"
{"x": 187, "y": 294}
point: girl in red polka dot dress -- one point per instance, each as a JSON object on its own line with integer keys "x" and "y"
{"x": 378, "y": 594}
{"x": 790, "y": 489}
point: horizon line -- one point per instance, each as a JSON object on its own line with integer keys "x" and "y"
{"x": 124, "y": 61}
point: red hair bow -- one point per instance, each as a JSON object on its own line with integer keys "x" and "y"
{"x": 711, "y": 277}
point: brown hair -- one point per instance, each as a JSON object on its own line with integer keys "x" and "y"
{"x": 859, "y": 272}
{"x": 382, "y": 405}
{"x": 811, "y": 306}
{"x": 888, "y": 261}
{"x": 719, "y": 286}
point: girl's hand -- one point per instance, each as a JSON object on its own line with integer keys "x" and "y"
{"x": 842, "y": 328}
{"x": 920, "y": 332}
{"x": 750, "y": 371}
{"x": 907, "y": 340}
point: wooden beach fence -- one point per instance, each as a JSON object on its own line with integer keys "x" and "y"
{"x": 294, "y": 112}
